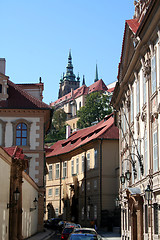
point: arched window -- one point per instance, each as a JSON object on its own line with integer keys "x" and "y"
{"x": 21, "y": 134}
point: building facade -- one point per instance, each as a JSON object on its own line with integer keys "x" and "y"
{"x": 82, "y": 180}
{"x": 137, "y": 101}
{"x": 24, "y": 120}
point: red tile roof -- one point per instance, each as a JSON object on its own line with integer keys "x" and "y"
{"x": 15, "y": 152}
{"x": 111, "y": 90}
{"x": 133, "y": 24}
{"x": 20, "y": 99}
{"x": 83, "y": 90}
{"x": 102, "y": 130}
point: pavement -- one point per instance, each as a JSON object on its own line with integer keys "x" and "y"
{"x": 47, "y": 234}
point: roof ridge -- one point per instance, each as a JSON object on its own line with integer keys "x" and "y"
{"x": 31, "y": 98}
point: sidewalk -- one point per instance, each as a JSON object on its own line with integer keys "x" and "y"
{"x": 45, "y": 235}
{"x": 109, "y": 235}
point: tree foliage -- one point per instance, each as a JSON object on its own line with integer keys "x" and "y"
{"x": 97, "y": 106}
{"x": 58, "y": 127}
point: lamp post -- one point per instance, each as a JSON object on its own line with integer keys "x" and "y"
{"x": 16, "y": 195}
{"x": 35, "y": 201}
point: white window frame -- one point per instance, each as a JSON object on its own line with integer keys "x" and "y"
{"x": 65, "y": 169}
{"x": 88, "y": 161}
{"x": 153, "y": 74}
{"x": 56, "y": 192}
{"x": 72, "y": 167}
{"x": 77, "y": 165}
{"x": 57, "y": 170}
{"x": 155, "y": 150}
{"x": 50, "y": 192}
{"x": 50, "y": 172}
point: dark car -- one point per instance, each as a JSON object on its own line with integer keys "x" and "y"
{"x": 52, "y": 223}
{"x": 61, "y": 225}
{"x": 66, "y": 232}
{"x": 83, "y": 236}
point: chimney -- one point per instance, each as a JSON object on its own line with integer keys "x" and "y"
{"x": 68, "y": 131}
{"x": 2, "y": 65}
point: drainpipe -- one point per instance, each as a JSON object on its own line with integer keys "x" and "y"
{"x": 100, "y": 176}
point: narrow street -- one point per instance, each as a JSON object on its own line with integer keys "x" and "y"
{"x": 104, "y": 235}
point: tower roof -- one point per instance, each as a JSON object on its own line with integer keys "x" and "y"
{"x": 96, "y": 76}
{"x": 70, "y": 76}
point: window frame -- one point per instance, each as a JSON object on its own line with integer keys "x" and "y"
{"x": 14, "y": 125}
{"x": 57, "y": 171}
{"x": 50, "y": 172}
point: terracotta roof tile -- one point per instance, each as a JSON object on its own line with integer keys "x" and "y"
{"x": 133, "y": 24}
{"x": 83, "y": 90}
{"x": 20, "y": 99}
{"x": 15, "y": 152}
{"x": 104, "y": 129}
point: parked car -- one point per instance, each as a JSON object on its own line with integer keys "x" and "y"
{"x": 87, "y": 230}
{"x": 71, "y": 224}
{"x": 66, "y": 232}
{"x": 61, "y": 226}
{"x": 52, "y": 223}
{"x": 82, "y": 236}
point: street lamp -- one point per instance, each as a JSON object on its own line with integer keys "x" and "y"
{"x": 16, "y": 195}
{"x": 148, "y": 197}
{"x": 35, "y": 201}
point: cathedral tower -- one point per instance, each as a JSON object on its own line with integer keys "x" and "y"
{"x": 68, "y": 80}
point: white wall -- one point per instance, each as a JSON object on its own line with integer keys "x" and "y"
{"x": 29, "y": 218}
{"x": 4, "y": 199}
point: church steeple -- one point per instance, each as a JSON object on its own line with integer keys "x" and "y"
{"x": 69, "y": 69}
{"x": 83, "y": 83}
{"x": 69, "y": 80}
{"x": 96, "y": 76}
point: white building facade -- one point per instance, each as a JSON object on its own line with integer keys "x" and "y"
{"x": 137, "y": 101}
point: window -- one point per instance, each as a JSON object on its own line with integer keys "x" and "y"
{"x": 88, "y": 185}
{"x": 153, "y": 74}
{"x": 95, "y": 212}
{"x": 88, "y": 212}
{"x": 0, "y": 88}
{"x": 155, "y": 218}
{"x": 95, "y": 158}
{"x": 83, "y": 163}
{"x": 57, "y": 192}
{"x": 95, "y": 184}
{"x": 2, "y": 132}
{"x": 21, "y": 134}
{"x": 145, "y": 153}
{"x": 49, "y": 192}
{"x": 72, "y": 167}
{"x": 131, "y": 106}
{"x": 82, "y": 216}
{"x": 88, "y": 161}
{"x": 144, "y": 90}
{"x": 50, "y": 172}
{"x": 79, "y": 105}
{"x": 57, "y": 170}
{"x": 64, "y": 169}
{"x": 138, "y": 96}
{"x": 155, "y": 151}
{"x": 56, "y": 212}
{"x": 77, "y": 165}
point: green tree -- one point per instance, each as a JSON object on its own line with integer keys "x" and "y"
{"x": 97, "y": 106}
{"x": 58, "y": 127}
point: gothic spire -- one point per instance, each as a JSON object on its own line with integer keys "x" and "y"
{"x": 96, "y": 76}
{"x": 69, "y": 72}
{"x": 83, "y": 83}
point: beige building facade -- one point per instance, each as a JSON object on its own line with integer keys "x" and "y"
{"x": 137, "y": 99}
{"x": 82, "y": 180}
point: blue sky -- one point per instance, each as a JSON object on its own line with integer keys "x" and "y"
{"x": 36, "y": 36}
